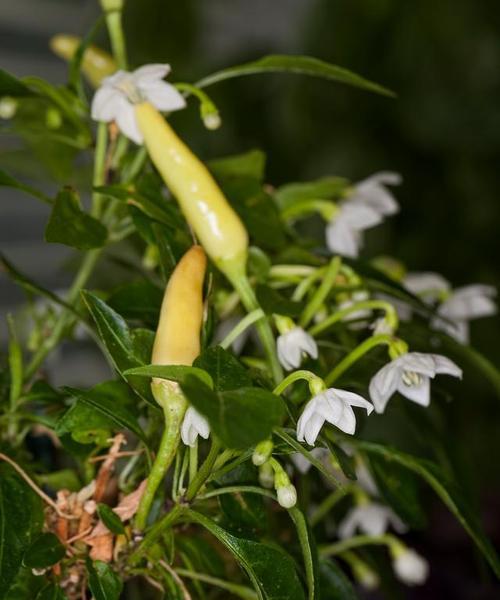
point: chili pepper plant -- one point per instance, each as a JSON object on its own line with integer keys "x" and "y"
{"x": 271, "y": 423}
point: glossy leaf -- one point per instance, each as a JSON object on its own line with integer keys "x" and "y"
{"x": 110, "y": 519}
{"x": 139, "y": 300}
{"x": 240, "y": 418}
{"x": 7, "y": 180}
{"x": 301, "y": 65}
{"x": 272, "y": 302}
{"x": 21, "y": 520}
{"x": 345, "y": 462}
{"x": 248, "y": 165}
{"x": 270, "y": 569}
{"x": 118, "y": 341}
{"x": 85, "y": 424}
{"x": 11, "y": 86}
{"x": 104, "y": 583}
{"x": 51, "y": 592}
{"x": 449, "y": 493}
{"x": 177, "y": 373}
{"x": 106, "y": 399}
{"x": 224, "y": 368}
{"x": 70, "y": 225}
{"x": 309, "y": 552}
{"x": 46, "y": 550}
{"x": 334, "y": 583}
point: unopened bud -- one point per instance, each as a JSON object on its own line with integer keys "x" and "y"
{"x": 212, "y": 121}
{"x": 262, "y": 452}
{"x": 266, "y": 476}
{"x": 8, "y": 107}
{"x": 287, "y": 496}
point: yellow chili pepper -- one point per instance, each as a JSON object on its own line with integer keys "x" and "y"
{"x": 177, "y": 342}
{"x": 177, "y": 339}
{"x": 96, "y": 63}
{"x": 214, "y": 221}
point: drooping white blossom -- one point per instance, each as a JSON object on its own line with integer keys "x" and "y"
{"x": 344, "y": 231}
{"x": 410, "y": 375}
{"x": 373, "y": 192}
{"x": 370, "y": 518}
{"x": 463, "y": 305}
{"x": 115, "y": 99}
{"x": 335, "y": 407}
{"x": 287, "y": 496}
{"x": 194, "y": 425}
{"x": 410, "y": 567}
{"x": 293, "y": 345}
{"x": 427, "y": 285}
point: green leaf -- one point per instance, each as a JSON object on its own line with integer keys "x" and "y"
{"x": 104, "y": 583}
{"x": 326, "y": 188}
{"x": 51, "y": 592}
{"x": 399, "y": 489}
{"x": 270, "y": 569}
{"x": 301, "y": 65}
{"x": 118, "y": 342}
{"x": 45, "y": 551}
{"x": 309, "y": 552}
{"x": 21, "y": 519}
{"x": 248, "y": 165}
{"x": 449, "y": 493}
{"x": 85, "y": 424}
{"x": 7, "y": 181}
{"x": 345, "y": 462}
{"x": 107, "y": 399}
{"x": 110, "y": 519}
{"x": 177, "y": 373}
{"x": 239, "y": 418}
{"x": 272, "y": 302}
{"x": 139, "y": 300}
{"x": 224, "y": 368}
{"x": 68, "y": 224}
{"x": 11, "y": 86}
{"x": 259, "y": 264}
{"x": 334, "y": 583}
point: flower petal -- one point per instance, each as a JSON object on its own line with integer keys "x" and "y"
{"x": 421, "y": 393}
{"x": 150, "y": 73}
{"x": 107, "y": 104}
{"x": 354, "y": 399}
{"x": 163, "y": 95}
{"x": 446, "y": 366}
{"x": 428, "y": 284}
{"x": 383, "y": 385}
{"x": 343, "y": 239}
{"x": 128, "y": 125}
{"x": 358, "y": 215}
{"x": 418, "y": 362}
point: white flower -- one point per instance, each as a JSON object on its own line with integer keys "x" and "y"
{"x": 410, "y": 567}
{"x": 343, "y": 233}
{"x": 370, "y": 519}
{"x": 427, "y": 285}
{"x": 464, "y": 304}
{"x": 333, "y": 406}
{"x": 115, "y": 99}
{"x": 194, "y": 425}
{"x": 410, "y": 375}
{"x": 372, "y": 192}
{"x": 291, "y": 346}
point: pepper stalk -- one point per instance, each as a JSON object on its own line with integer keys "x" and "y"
{"x": 177, "y": 342}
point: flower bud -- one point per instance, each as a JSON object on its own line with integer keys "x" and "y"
{"x": 8, "y": 107}
{"x": 409, "y": 566}
{"x": 287, "y": 496}
{"x": 262, "y": 452}
{"x": 266, "y": 476}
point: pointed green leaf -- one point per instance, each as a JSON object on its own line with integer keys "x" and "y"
{"x": 70, "y": 225}
{"x": 334, "y": 583}
{"x": 177, "y": 373}
{"x": 301, "y": 65}
{"x": 224, "y": 368}
{"x": 7, "y": 181}
{"x": 270, "y": 569}
{"x": 110, "y": 519}
{"x": 104, "y": 583}
{"x": 46, "y": 550}
{"x": 11, "y": 86}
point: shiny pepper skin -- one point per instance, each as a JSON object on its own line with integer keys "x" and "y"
{"x": 96, "y": 64}
{"x": 207, "y": 211}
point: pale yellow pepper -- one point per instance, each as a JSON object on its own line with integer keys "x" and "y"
{"x": 96, "y": 63}
{"x": 207, "y": 211}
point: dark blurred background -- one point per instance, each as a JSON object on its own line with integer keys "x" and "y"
{"x": 442, "y": 133}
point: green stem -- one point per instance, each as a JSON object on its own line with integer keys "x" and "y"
{"x": 325, "y": 208}
{"x": 193, "y": 461}
{"x": 238, "y": 489}
{"x": 365, "y": 305}
{"x": 203, "y": 474}
{"x": 356, "y": 542}
{"x": 115, "y": 30}
{"x": 322, "y": 292}
{"x": 235, "y": 589}
{"x": 174, "y": 406}
{"x": 99, "y": 177}
{"x": 247, "y": 296}
{"x": 250, "y": 319}
{"x": 308, "y": 376}
{"x": 355, "y": 355}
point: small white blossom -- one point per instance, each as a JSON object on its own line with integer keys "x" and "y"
{"x": 292, "y": 345}
{"x": 427, "y": 285}
{"x": 410, "y": 567}
{"x": 194, "y": 425}
{"x": 373, "y": 192}
{"x": 410, "y": 375}
{"x": 115, "y": 99}
{"x": 370, "y": 519}
{"x": 464, "y": 304}
{"x": 344, "y": 232}
{"x": 333, "y": 406}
